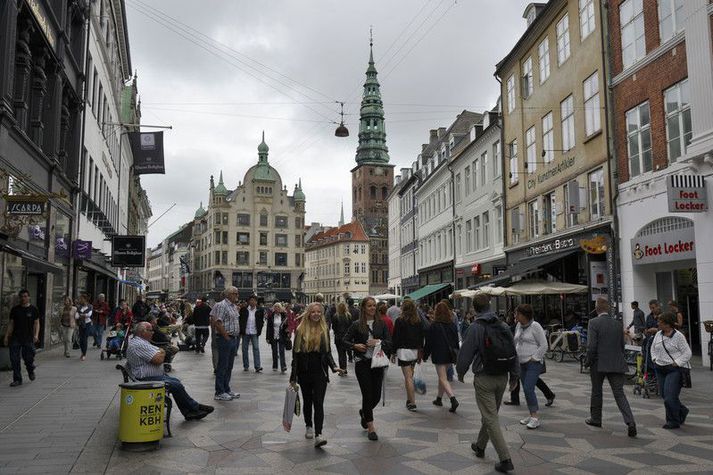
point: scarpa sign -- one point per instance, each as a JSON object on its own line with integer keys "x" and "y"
{"x": 687, "y": 194}
{"x": 22, "y": 205}
{"x": 128, "y": 251}
{"x": 664, "y": 247}
{"x": 147, "y": 148}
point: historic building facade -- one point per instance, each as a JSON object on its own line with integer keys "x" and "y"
{"x": 394, "y": 204}
{"x": 337, "y": 263}
{"x": 251, "y": 237}
{"x": 555, "y": 143}
{"x": 372, "y": 180}
{"x": 662, "y": 117}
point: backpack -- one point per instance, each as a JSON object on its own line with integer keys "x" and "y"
{"x": 498, "y": 348}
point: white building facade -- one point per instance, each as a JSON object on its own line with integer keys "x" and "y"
{"x": 394, "y": 204}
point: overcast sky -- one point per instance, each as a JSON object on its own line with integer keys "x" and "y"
{"x": 280, "y": 65}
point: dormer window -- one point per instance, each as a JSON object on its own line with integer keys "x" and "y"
{"x": 530, "y": 14}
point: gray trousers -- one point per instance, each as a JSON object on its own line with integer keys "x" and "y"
{"x": 616, "y": 381}
{"x": 489, "y": 392}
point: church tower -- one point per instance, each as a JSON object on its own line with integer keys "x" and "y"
{"x": 373, "y": 178}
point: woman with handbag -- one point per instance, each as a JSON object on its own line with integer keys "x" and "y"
{"x": 531, "y": 346}
{"x": 369, "y": 338}
{"x": 276, "y": 334}
{"x": 311, "y": 358}
{"x": 69, "y": 312}
{"x": 84, "y": 323}
{"x": 671, "y": 354}
{"x": 442, "y": 347}
{"x": 408, "y": 337}
{"x": 341, "y": 321}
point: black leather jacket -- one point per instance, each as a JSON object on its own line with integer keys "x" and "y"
{"x": 355, "y": 336}
{"x": 300, "y": 361}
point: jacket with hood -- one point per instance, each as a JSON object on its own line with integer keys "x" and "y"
{"x": 471, "y": 350}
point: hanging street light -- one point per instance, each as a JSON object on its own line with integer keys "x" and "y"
{"x": 341, "y": 131}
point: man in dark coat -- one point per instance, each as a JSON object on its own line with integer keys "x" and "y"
{"x": 251, "y": 320}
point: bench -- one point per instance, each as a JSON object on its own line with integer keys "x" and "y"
{"x": 168, "y": 402}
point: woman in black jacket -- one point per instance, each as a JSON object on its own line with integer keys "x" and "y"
{"x": 408, "y": 337}
{"x": 442, "y": 347}
{"x": 341, "y": 321}
{"x": 276, "y": 335}
{"x": 362, "y": 336}
{"x": 311, "y": 358}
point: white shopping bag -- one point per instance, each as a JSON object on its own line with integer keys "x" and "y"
{"x": 291, "y": 395}
{"x": 379, "y": 359}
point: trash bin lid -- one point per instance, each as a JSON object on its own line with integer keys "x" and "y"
{"x": 143, "y": 385}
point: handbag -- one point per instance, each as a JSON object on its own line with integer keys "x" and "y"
{"x": 418, "y": 382}
{"x": 407, "y": 354}
{"x": 291, "y": 398}
{"x": 379, "y": 358}
{"x": 684, "y": 372}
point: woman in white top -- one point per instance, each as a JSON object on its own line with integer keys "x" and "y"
{"x": 531, "y": 346}
{"x": 670, "y": 353}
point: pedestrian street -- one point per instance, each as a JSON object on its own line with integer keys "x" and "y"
{"x": 66, "y": 421}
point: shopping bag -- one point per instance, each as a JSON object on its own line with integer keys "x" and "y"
{"x": 288, "y": 412}
{"x": 418, "y": 382}
{"x": 379, "y": 359}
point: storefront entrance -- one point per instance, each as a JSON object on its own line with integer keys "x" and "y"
{"x": 37, "y": 286}
{"x": 681, "y": 286}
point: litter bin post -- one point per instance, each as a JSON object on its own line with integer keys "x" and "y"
{"x": 141, "y": 415}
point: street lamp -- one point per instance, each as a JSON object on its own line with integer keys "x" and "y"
{"x": 341, "y": 131}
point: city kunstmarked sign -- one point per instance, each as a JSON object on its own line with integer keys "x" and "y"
{"x": 147, "y": 148}
{"x": 687, "y": 194}
{"x": 128, "y": 251}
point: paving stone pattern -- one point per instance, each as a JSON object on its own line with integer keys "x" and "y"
{"x": 66, "y": 421}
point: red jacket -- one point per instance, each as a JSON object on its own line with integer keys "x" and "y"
{"x": 389, "y": 324}
{"x": 101, "y": 311}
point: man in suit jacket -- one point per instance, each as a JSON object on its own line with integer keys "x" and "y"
{"x": 251, "y": 319}
{"x": 605, "y": 357}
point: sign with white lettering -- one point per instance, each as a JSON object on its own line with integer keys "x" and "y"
{"x": 664, "y": 247}
{"x": 552, "y": 246}
{"x": 128, "y": 251}
{"x": 687, "y": 194}
{"x": 21, "y": 205}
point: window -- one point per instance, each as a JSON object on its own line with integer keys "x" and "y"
{"x": 281, "y": 259}
{"x": 549, "y": 213}
{"x": 475, "y": 174}
{"x": 458, "y": 188}
{"x": 563, "y": 40}
{"x": 217, "y": 237}
{"x": 347, "y": 268}
{"x": 592, "y": 113}
{"x": 466, "y": 173}
{"x": 638, "y": 139}
{"x": 548, "y": 138}
{"x": 224, "y": 259}
{"x": 587, "y": 23}
{"x": 483, "y": 167}
{"x": 280, "y": 221}
{"x": 363, "y": 267}
{"x": 363, "y": 248}
{"x": 486, "y": 229}
{"x": 243, "y": 219}
{"x": 498, "y": 224}
{"x": 263, "y": 219}
{"x": 298, "y": 222}
{"x": 298, "y": 240}
{"x": 527, "y": 84}
{"x": 468, "y": 236}
{"x": 533, "y": 219}
{"x": 372, "y": 192}
{"x": 513, "y": 162}
{"x": 496, "y": 160}
{"x": 571, "y": 203}
{"x": 356, "y": 267}
{"x": 544, "y": 53}
{"x": 243, "y": 239}
{"x": 225, "y": 218}
{"x": 263, "y": 239}
{"x": 530, "y": 150}
{"x": 633, "y": 43}
{"x": 596, "y": 195}
{"x": 567, "y": 113}
{"x": 216, "y": 260}
{"x": 298, "y": 260}
{"x": 476, "y": 232}
{"x": 242, "y": 258}
{"x": 670, "y": 19}
{"x": 678, "y": 120}
{"x": 281, "y": 240}
{"x": 511, "y": 93}
{"x": 225, "y": 237}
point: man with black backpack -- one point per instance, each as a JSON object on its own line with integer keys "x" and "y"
{"x": 488, "y": 347}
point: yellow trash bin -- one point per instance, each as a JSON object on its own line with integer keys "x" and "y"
{"x": 141, "y": 415}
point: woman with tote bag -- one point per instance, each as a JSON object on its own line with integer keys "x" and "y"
{"x": 369, "y": 338}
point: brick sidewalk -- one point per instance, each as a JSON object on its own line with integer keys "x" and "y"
{"x": 67, "y": 421}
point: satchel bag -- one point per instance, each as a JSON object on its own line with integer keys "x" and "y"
{"x": 684, "y": 372}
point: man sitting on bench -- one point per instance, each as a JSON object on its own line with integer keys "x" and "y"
{"x": 145, "y": 363}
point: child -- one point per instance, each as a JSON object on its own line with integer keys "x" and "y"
{"x": 116, "y": 337}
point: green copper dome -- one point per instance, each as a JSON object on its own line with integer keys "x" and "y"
{"x": 263, "y": 148}
{"x": 200, "y": 211}
{"x": 220, "y": 189}
{"x": 263, "y": 170}
{"x": 299, "y": 194}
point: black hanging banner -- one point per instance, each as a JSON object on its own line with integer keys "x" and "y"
{"x": 128, "y": 251}
{"x": 148, "y": 152}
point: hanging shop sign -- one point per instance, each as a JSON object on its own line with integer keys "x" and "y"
{"x": 664, "y": 247}
{"x": 25, "y": 205}
{"x": 128, "y": 251}
{"x": 595, "y": 245}
{"x": 687, "y": 194}
{"x": 475, "y": 270}
{"x": 147, "y": 148}
{"x": 82, "y": 249}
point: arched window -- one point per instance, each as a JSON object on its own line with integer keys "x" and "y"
{"x": 372, "y": 192}
{"x": 384, "y": 192}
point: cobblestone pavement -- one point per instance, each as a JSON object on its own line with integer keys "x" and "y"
{"x": 67, "y": 421}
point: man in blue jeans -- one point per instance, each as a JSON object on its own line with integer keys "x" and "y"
{"x": 22, "y": 333}
{"x": 145, "y": 362}
{"x": 252, "y": 319}
{"x": 226, "y": 330}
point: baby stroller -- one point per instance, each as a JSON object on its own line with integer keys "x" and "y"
{"x": 114, "y": 345}
{"x": 645, "y": 380}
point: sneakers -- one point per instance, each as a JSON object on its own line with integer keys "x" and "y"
{"x": 246, "y": 369}
{"x": 283, "y": 370}
{"x": 258, "y": 370}
{"x": 525, "y": 421}
{"x": 15, "y": 383}
{"x": 454, "y": 404}
{"x": 82, "y": 358}
{"x": 534, "y": 423}
{"x": 274, "y": 369}
{"x": 319, "y": 441}
{"x": 511, "y": 403}
{"x": 223, "y": 397}
{"x": 504, "y": 466}
{"x": 411, "y": 406}
{"x": 309, "y": 433}
{"x": 233, "y": 395}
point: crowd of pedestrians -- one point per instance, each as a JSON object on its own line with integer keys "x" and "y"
{"x": 501, "y": 357}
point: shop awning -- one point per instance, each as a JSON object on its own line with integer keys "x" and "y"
{"x": 35, "y": 262}
{"x": 426, "y": 291}
{"x": 534, "y": 287}
{"x": 386, "y": 297}
{"x": 130, "y": 283}
{"x": 524, "y": 266}
{"x": 91, "y": 265}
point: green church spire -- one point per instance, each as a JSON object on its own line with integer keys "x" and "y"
{"x": 372, "y": 147}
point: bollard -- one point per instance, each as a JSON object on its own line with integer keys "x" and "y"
{"x": 141, "y": 415}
